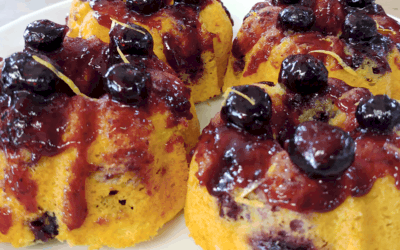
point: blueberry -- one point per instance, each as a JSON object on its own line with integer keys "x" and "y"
{"x": 358, "y": 27}
{"x": 321, "y": 150}
{"x": 192, "y": 2}
{"x": 287, "y": 1}
{"x": 145, "y": 7}
{"x": 22, "y": 72}
{"x": 296, "y": 18}
{"x": 378, "y": 114}
{"x": 253, "y": 117}
{"x": 375, "y": 9}
{"x": 303, "y": 74}
{"x": 44, "y": 35}
{"x": 127, "y": 84}
{"x": 132, "y": 41}
{"x": 45, "y": 227}
{"x": 380, "y": 44}
{"x": 359, "y": 3}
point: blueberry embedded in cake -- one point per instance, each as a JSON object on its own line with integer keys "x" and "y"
{"x": 94, "y": 139}
{"x": 321, "y": 174}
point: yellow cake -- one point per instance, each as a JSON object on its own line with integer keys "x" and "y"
{"x": 193, "y": 38}
{"x": 356, "y": 40}
{"x": 105, "y": 166}
{"x": 318, "y": 171}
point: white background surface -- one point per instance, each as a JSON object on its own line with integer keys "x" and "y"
{"x": 174, "y": 235}
{"x": 13, "y": 9}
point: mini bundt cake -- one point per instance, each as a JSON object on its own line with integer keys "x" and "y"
{"x": 355, "y": 39}
{"x": 105, "y": 166}
{"x": 309, "y": 163}
{"x": 193, "y": 36}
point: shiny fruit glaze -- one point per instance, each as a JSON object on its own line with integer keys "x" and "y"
{"x": 232, "y": 159}
{"x": 330, "y": 18}
{"x": 34, "y": 126}
{"x": 6, "y": 220}
{"x": 183, "y": 52}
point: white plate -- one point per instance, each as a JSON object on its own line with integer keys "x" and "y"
{"x": 174, "y": 235}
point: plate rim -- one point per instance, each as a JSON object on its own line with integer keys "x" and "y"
{"x": 33, "y": 14}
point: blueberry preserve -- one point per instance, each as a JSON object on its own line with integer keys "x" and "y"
{"x": 42, "y": 117}
{"x": 347, "y": 28}
{"x": 353, "y": 158}
{"x": 183, "y": 52}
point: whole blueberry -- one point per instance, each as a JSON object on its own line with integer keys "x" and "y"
{"x": 21, "y": 72}
{"x": 135, "y": 40}
{"x": 250, "y": 110}
{"x": 287, "y": 1}
{"x": 359, "y": 3}
{"x": 126, "y": 84}
{"x": 321, "y": 150}
{"x": 44, "y": 35}
{"x": 145, "y": 7}
{"x": 358, "y": 27}
{"x": 303, "y": 74}
{"x": 378, "y": 114}
{"x": 192, "y": 2}
{"x": 380, "y": 44}
{"x": 296, "y": 18}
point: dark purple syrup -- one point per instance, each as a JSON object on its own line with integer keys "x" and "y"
{"x": 330, "y": 18}
{"x": 183, "y": 51}
{"x": 37, "y": 125}
{"x": 238, "y": 160}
